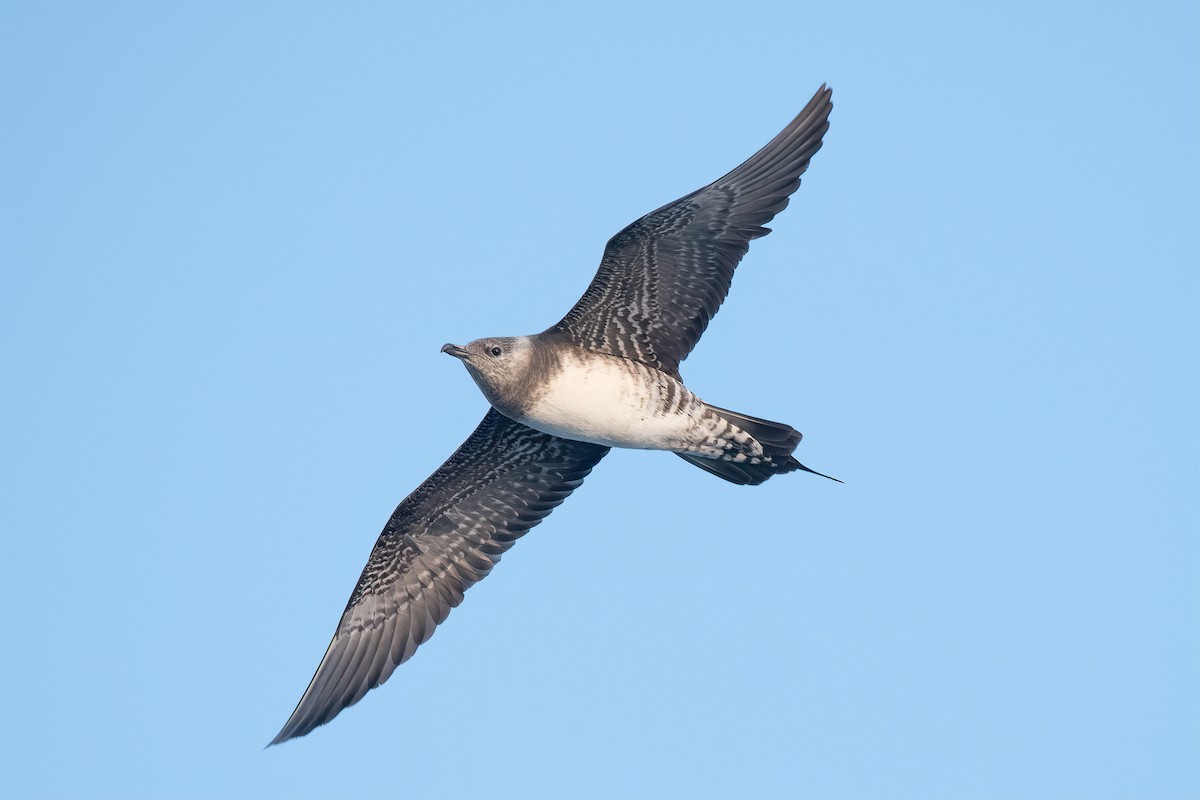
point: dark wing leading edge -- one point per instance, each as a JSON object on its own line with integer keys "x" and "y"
{"x": 444, "y": 537}
{"x": 664, "y": 277}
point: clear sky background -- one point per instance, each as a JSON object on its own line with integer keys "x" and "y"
{"x": 234, "y": 236}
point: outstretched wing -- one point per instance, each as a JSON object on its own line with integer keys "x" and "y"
{"x": 443, "y": 538}
{"x": 664, "y": 277}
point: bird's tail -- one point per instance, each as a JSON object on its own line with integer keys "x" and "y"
{"x": 777, "y": 440}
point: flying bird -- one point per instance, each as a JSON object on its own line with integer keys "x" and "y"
{"x": 605, "y": 376}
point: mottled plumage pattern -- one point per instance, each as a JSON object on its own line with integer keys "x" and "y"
{"x": 444, "y": 537}
{"x": 606, "y": 375}
{"x": 663, "y": 278}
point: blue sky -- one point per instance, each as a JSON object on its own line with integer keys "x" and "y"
{"x": 236, "y": 234}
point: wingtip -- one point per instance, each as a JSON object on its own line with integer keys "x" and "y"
{"x": 822, "y": 102}
{"x": 279, "y": 739}
{"x": 292, "y": 731}
{"x": 824, "y": 96}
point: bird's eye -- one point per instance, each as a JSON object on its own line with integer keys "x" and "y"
{"x": 496, "y": 351}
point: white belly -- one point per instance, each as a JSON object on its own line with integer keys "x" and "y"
{"x": 614, "y": 402}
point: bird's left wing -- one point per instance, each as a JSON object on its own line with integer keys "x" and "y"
{"x": 662, "y": 278}
{"x": 443, "y": 538}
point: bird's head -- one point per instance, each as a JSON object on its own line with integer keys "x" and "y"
{"x": 500, "y": 366}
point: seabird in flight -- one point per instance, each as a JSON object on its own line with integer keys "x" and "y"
{"x": 606, "y": 376}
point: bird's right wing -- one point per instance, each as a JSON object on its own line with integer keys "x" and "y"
{"x": 443, "y": 538}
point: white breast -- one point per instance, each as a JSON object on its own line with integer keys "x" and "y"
{"x": 615, "y": 402}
